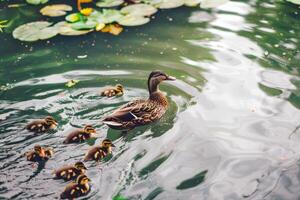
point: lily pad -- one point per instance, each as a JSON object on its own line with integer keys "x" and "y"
{"x": 295, "y": 1}
{"x": 133, "y": 20}
{"x": 84, "y": 25}
{"x": 55, "y": 10}
{"x": 107, "y": 16}
{"x": 74, "y": 17}
{"x": 139, "y": 9}
{"x": 36, "y": 2}
{"x": 212, "y": 3}
{"x": 109, "y": 3}
{"x": 65, "y": 28}
{"x": 192, "y": 3}
{"x": 166, "y": 4}
{"x": 34, "y": 31}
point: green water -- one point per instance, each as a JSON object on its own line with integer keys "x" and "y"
{"x": 231, "y": 131}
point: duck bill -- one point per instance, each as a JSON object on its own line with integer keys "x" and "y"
{"x": 171, "y": 78}
{"x": 42, "y": 153}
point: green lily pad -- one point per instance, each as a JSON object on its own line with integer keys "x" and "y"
{"x": 55, "y": 10}
{"x": 107, "y": 16}
{"x": 74, "y": 17}
{"x": 166, "y": 4}
{"x": 84, "y": 25}
{"x": 295, "y": 1}
{"x": 36, "y": 2}
{"x": 139, "y": 9}
{"x": 34, "y": 31}
{"x": 212, "y": 3}
{"x": 133, "y": 20}
{"x": 192, "y": 3}
{"x": 65, "y": 28}
{"x": 109, "y": 3}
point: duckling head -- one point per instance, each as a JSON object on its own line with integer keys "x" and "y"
{"x": 155, "y": 78}
{"x": 79, "y": 165}
{"x": 82, "y": 179}
{"x": 89, "y": 129}
{"x": 50, "y": 121}
{"x": 107, "y": 144}
{"x": 39, "y": 150}
{"x": 119, "y": 88}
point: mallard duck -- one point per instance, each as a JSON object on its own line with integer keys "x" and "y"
{"x": 141, "y": 111}
{"x": 99, "y": 152}
{"x": 70, "y": 172}
{"x": 113, "y": 91}
{"x": 80, "y": 135}
{"x": 42, "y": 125}
{"x": 76, "y": 189}
{"x": 39, "y": 154}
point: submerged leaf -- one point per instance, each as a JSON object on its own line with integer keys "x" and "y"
{"x": 139, "y": 9}
{"x": 192, "y": 182}
{"x": 109, "y": 3}
{"x": 133, "y": 20}
{"x": 55, "y": 10}
{"x": 34, "y": 31}
{"x": 71, "y": 83}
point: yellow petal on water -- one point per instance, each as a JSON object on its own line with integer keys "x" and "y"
{"x": 86, "y": 11}
{"x": 71, "y": 83}
{"x": 114, "y": 29}
{"x": 100, "y": 26}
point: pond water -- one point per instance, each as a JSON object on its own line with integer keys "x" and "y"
{"x": 233, "y": 116}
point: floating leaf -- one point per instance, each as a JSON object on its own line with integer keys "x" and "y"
{"x": 65, "y": 28}
{"x": 100, "y": 26}
{"x": 55, "y": 10}
{"x": 86, "y": 11}
{"x": 139, "y": 9}
{"x": 107, "y": 16}
{"x": 109, "y": 3}
{"x": 165, "y": 4}
{"x": 36, "y": 2}
{"x": 114, "y": 29}
{"x": 84, "y": 25}
{"x": 34, "y": 31}
{"x": 295, "y": 1}
{"x": 212, "y": 3}
{"x": 74, "y": 17}
{"x": 3, "y": 24}
{"x": 192, "y": 182}
{"x": 71, "y": 83}
{"x": 133, "y": 20}
{"x": 192, "y": 3}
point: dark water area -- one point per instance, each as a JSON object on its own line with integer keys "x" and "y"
{"x": 231, "y": 131}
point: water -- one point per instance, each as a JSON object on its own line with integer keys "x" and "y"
{"x": 234, "y": 110}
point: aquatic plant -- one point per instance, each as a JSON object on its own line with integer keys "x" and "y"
{"x": 110, "y": 17}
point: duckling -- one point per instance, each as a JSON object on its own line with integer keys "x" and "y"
{"x": 80, "y": 135}
{"x": 142, "y": 111}
{"x": 39, "y": 154}
{"x": 70, "y": 172}
{"x": 118, "y": 90}
{"x": 43, "y": 125}
{"x": 76, "y": 189}
{"x": 99, "y": 152}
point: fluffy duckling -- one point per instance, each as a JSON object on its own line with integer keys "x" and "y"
{"x": 80, "y": 135}
{"x": 99, "y": 152}
{"x": 76, "y": 189}
{"x": 39, "y": 154}
{"x": 42, "y": 125}
{"x": 142, "y": 111}
{"x": 118, "y": 90}
{"x": 70, "y": 172}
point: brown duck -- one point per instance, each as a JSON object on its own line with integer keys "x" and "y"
{"x": 99, "y": 152}
{"x": 118, "y": 90}
{"x": 42, "y": 125}
{"x": 70, "y": 172}
{"x": 39, "y": 154}
{"x": 76, "y": 189}
{"x": 142, "y": 111}
{"x": 80, "y": 135}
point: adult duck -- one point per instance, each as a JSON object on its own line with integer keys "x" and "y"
{"x": 142, "y": 111}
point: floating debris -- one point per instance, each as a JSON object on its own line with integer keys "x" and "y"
{"x": 72, "y": 83}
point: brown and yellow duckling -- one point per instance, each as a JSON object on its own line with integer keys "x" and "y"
{"x": 118, "y": 90}
{"x": 76, "y": 189}
{"x": 70, "y": 172}
{"x": 142, "y": 111}
{"x": 99, "y": 152}
{"x": 42, "y": 125}
{"x": 39, "y": 154}
{"x": 80, "y": 135}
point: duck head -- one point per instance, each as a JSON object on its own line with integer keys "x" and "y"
{"x": 155, "y": 78}
{"x": 119, "y": 87}
{"x": 82, "y": 179}
{"x": 79, "y": 165}
{"x": 107, "y": 144}
{"x": 89, "y": 129}
{"x": 39, "y": 150}
{"x": 50, "y": 121}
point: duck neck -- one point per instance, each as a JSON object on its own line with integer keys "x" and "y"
{"x": 152, "y": 86}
